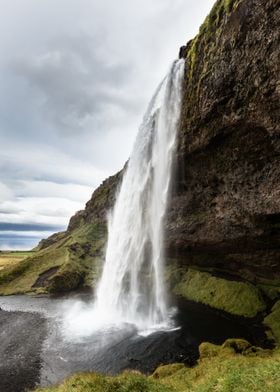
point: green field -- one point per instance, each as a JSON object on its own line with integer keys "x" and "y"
{"x": 10, "y": 258}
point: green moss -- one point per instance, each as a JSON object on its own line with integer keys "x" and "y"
{"x": 229, "y": 347}
{"x": 273, "y": 322}
{"x": 210, "y": 30}
{"x": 238, "y": 345}
{"x": 271, "y": 291}
{"x": 167, "y": 370}
{"x": 126, "y": 382}
{"x": 221, "y": 369}
{"x": 172, "y": 273}
{"x": 209, "y": 350}
{"x": 242, "y": 346}
{"x": 239, "y": 298}
{"x": 226, "y": 368}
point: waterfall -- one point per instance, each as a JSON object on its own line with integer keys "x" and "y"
{"x": 132, "y": 287}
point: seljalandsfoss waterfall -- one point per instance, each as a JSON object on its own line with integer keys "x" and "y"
{"x": 131, "y": 289}
{"x": 166, "y": 277}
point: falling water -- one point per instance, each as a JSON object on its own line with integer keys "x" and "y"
{"x": 132, "y": 287}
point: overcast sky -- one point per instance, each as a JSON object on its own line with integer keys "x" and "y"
{"x": 75, "y": 77}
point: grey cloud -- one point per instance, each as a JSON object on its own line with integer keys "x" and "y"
{"x": 11, "y": 210}
{"x": 73, "y": 81}
{"x": 74, "y": 84}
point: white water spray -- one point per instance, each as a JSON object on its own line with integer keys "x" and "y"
{"x": 132, "y": 287}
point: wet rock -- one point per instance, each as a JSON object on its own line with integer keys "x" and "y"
{"x": 21, "y": 338}
{"x": 225, "y": 208}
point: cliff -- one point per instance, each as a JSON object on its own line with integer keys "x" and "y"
{"x": 223, "y": 223}
{"x": 225, "y": 209}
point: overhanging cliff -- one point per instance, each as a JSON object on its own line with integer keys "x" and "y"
{"x": 225, "y": 209}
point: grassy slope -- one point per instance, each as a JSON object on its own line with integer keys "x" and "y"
{"x": 233, "y": 367}
{"x": 67, "y": 260}
{"x": 76, "y": 256}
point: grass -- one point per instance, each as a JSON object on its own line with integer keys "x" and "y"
{"x": 126, "y": 382}
{"x": 235, "y": 366}
{"x": 21, "y": 276}
{"x": 9, "y": 258}
{"x": 76, "y": 256}
{"x": 239, "y": 298}
{"x": 228, "y": 372}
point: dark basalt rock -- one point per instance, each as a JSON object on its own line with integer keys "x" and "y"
{"x": 225, "y": 207}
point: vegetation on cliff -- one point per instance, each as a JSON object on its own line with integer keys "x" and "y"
{"x": 239, "y": 298}
{"x": 273, "y": 322}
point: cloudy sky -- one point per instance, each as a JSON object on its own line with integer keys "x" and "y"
{"x": 75, "y": 78}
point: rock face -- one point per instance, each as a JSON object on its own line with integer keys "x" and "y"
{"x": 225, "y": 208}
{"x": 97, "y": 207}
